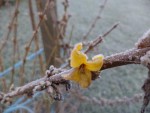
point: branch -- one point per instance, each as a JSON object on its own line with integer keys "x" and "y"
{"x": 128, "y": 57}
{"x": 131, "y": 56}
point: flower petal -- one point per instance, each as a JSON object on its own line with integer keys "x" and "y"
{"x": 83, "y": 78}
{"x": 95, "y": 64}
{"x": 77, "y": 57}
{"x": 74, "y": 75}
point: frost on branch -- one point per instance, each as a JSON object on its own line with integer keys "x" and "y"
{"x": 145, "y": 60}
{"x": 144, "y": 41}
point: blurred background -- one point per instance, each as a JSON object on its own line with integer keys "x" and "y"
{"x": 40, "y": 41}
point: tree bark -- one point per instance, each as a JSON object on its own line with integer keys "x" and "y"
{"x": 1, "y": 2}
{"x": 49, "y": 33}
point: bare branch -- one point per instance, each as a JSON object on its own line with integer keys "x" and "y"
{"x": 99, "y": 39}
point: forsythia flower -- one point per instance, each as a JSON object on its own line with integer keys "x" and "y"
{"x": 82, "y": 68}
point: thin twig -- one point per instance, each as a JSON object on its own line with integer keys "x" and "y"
{"x": 4, "y": 85}
{"x": 36, "y": 35}
{"x": 100, "y": 38}
{"x": 10, "y": 27}
{"x": 31, "y": 39}
{"x": 95, "y": 20}
{"x": 62, "y": 24}
{"x": 14, "y": 44}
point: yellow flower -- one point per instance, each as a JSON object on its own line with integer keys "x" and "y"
{"x": 82, "y": 68}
